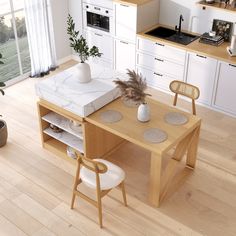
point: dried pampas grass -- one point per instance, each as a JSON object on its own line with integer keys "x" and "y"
{"x": 134, "y": 87}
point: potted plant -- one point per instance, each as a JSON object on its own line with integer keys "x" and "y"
{"x": 80, "y": 46}
{"x": 3, "y": 125}
{"x": 133, "y": 89}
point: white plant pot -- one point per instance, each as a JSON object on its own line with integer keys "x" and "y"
{"x": 143, "y": 114}
{"x": 83, "y": 72}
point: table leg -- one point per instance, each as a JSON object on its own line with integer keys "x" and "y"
{"x": 155, "y": 179}
{"x": 192, "y": 150}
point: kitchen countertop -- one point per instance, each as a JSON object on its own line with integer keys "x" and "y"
{"x": 218, "y": 53}
{"x": 133, "y": 2}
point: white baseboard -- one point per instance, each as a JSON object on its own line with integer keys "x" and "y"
{"x": 65, "y": 59}
{"x": 75, "y": 57}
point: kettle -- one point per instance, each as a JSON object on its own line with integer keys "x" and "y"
{"x": 232, "y": 48}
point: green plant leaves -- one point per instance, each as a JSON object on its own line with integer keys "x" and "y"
{"x": 79, "y": 43}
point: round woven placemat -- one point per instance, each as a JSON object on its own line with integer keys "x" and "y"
{"x": 155, "y": 135}
{"x": 175, "y": 118}
{"x": 111, "y": 116}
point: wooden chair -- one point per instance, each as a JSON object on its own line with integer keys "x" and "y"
{"x": 100, "y": 175}
{"x": 187, "y": 90}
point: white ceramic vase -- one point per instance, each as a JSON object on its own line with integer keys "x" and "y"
{"x": 83, "y": 72}
{"x": 143, "y": 114}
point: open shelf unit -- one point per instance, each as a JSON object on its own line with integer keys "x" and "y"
{"x": 58, "y": 148}
{"x": 64, "y": 123}
{"x": 72, "y": 134}
{"x": 217, "y": 5}
{"x": 78, "y": 133}
{"x": 66, "y": 138}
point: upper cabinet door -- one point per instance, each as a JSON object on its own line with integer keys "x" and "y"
{"x": 201, "y": 73}
{"x": 225, "y": 90}
{"x": 125, "y": 21}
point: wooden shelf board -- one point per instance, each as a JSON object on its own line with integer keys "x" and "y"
{"x": 217, "y": 5}
{"x": 58, "y": 148}
{"x": 66, "y": 138}
{"x": 64, "y": 124}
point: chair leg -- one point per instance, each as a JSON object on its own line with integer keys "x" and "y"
{"x": 122, "y": 184}
{"x": 175, "y": 99}
{"x": 193, "y": 107}
{"x": 72, "y": 200}
{"x": 100, "y": 211}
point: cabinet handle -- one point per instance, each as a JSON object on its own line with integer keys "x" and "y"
{"x": 201, "y": 56}
{"x": 159, "y": 44}
{"x": 232, "y": 65}
{"x": 124, "y": 42}
{"x": 157, "y": 59}
{"x": 157, "y": 74}
{"x": 123, "y": 5}
{"x": 98, "y": 34}
{"x": 97, "y": 8}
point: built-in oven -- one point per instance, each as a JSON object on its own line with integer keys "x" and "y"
{"x": 97, "y": 18}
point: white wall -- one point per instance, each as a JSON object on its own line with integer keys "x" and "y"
{"x": 75, "y": 9}
{"x": 60, "y": 10}
{"x": 195, "y": 19}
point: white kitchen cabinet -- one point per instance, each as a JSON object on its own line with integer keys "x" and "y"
{"x": 156, "y": 78}
{"x": 159, "y": 63}
{"x": 125, "y": 21}
{"x": 104, "y": 43}
{"x": 124, "y": 55}
{"x": 225, "y": 95}
{"x": 161, "y": 50}
{"x": 201, "y": 72}
{"x": 133, "y": 18}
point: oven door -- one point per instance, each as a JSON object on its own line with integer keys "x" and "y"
{"x": 97, "y": 18}
{"x": 98, "y": 21}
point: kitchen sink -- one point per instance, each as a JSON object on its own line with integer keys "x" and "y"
{"x": 172, "y": 35}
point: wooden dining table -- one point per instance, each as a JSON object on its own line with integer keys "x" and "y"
{"x": 182, "y": 139}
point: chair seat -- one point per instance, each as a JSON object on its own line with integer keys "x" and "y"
{"x": 110, "y": 179}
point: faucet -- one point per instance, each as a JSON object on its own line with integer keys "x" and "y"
{"x": 181, "y": 18}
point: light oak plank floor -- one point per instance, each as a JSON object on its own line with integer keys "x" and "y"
{"x": 35, "y": 185}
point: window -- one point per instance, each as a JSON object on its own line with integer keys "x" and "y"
{"x": 13, "y": 41}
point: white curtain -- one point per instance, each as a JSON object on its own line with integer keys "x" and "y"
{"x": 40, "y": 36}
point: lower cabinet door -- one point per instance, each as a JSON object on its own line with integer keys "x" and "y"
{"x": 124, "y": 55}
{"x": 156, "y": 79}
{"x": 201, "y": 72}
{"x": 226, "y": 88}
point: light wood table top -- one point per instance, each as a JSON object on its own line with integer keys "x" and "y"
{"x": 132, "y": 130}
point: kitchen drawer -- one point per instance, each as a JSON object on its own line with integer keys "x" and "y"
{"x": 160, "y": 64}
{"x": 155, "y": 78}
{"x": 159, "y": 49}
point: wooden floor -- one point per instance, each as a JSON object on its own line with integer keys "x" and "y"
{"x": 35, "y": 186}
